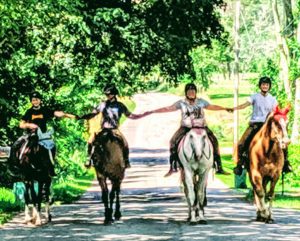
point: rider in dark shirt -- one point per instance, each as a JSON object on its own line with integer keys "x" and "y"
{"x": 37, "y": 117}
{"x": 112, "y": 110}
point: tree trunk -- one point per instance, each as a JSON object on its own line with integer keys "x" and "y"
{"x": 284, "y": 51}
{"x": 296, "y": 123}
{"x": 289, "y": 28}
{"x": 236, "y": 76}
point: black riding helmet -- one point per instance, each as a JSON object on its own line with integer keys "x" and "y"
{"x": 190, "y": 86}
{"x": 266, "y": 80}
{"x": 35, "y": 94}
{"x": 110, "y": 89}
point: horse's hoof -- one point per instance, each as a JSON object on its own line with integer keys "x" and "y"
{"x": 202, "y": 222}
{"x": 193, "y": 223}
{"x": 38, "y": 223}
{"x": 260, "y": 219}
{"x": 270, "y": 221}
{"x": 118, "y": 216}
{"x": 108, "y": 222}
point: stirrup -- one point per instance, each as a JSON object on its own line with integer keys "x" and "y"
{"x": 238, "y": 170}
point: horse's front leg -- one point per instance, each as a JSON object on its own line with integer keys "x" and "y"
{"x": 37, "y": 200}
{"x": 188, "y": 183}
{"x": 47, "y": 200}
{"x": 104, "y": 189}
{"x": 259, "y": 195}
{"x": 201, "y": 195}
{"x": 116, "y": 189}
{"x": 28, "y": 217}
{"x": 270, "y": 197}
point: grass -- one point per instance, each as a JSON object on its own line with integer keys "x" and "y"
{"x": 8, "y": 205}
{"x": 72, "y": 189}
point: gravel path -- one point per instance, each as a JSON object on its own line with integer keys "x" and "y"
{"x": 153, "y": 206}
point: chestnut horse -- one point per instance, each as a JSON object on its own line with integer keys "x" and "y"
{"x": 195, "y": 154}
{"x": 109, "y": 163}
{"x": 266, "y": 161}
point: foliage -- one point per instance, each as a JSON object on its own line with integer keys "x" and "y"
{"x": 71, "y": 189}
{"x": 8, "y": 205}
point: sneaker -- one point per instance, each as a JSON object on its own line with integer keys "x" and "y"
{"x": 238, "y": 170}
{"x": 287, "y": 168}
{"x": 52, "y": 172}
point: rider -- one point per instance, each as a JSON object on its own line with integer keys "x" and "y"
{"x": 112, "y": 111}
{"x": 37, "y": 117}
{"x": 263, "y": 103}
{"x": 192, "y": 116}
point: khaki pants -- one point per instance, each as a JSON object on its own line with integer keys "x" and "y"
{"x": 244, "y": 142}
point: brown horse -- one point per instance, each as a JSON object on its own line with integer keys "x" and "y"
{"x": 109, "y": 163}
{"x": 266, "y": 161}
{"x": 32, "y": 160}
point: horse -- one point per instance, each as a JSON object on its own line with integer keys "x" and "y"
{"x": 109, "y": 163}
{"x": 266, "y": 157}
{"x": 32, "y": 161}
{"x": 195, "y": 154}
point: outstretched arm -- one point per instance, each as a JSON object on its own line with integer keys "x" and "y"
{"x": 62, "y": 114}
{"x": 242, "y": 106}
{"x": 160, "y": 110}
{"x": 218, "y": 107}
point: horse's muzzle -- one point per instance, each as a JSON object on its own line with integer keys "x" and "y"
{"x": 284, "y": 143}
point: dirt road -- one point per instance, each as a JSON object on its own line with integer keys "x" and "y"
{"x": 153, "y": 206}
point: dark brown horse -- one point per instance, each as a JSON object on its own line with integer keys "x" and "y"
{"x": 266, "y": 161}
{"x": 109, "y": 163}
{"x": 32, "y": 161}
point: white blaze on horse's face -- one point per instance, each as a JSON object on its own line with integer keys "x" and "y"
{"x": 284, "y": 140}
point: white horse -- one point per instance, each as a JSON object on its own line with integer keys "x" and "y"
{"x": 195, "y": 153}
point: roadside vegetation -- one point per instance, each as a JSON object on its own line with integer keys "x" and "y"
{"x": 69, "y": 50}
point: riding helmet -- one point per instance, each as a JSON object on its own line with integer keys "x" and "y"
{"x": 110, "y": 89}
{"x": 35, "y": 94}
{"x": 190, "y": 86}
{"x": 266, "y": 80}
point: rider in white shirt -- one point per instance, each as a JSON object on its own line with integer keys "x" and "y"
{"x": 192, "y": 115}
{"x": 263, "y": 103}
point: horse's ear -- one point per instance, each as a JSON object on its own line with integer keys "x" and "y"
{"x": 286, "y": 109}
{"x": 276, "y": 109}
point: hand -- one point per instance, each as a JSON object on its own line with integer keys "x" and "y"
{"x": 32, "y": 126}
{"x": 71, "y": 116}
{"x": 230, "y": 110}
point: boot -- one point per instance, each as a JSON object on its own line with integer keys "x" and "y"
{"x": 238, "y": 170}
{"x": 52, "y": 171}
{"x": 221, "y": 171}
{"x": 127, "y": 163}
{"x": 287, "y": 168}
{"x": 126, "y": 156}
{"x": 88, "y": 162}
{"x": 173, "y": 168}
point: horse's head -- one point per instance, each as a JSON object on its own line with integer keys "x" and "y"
{"x": 279, "y": 126}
